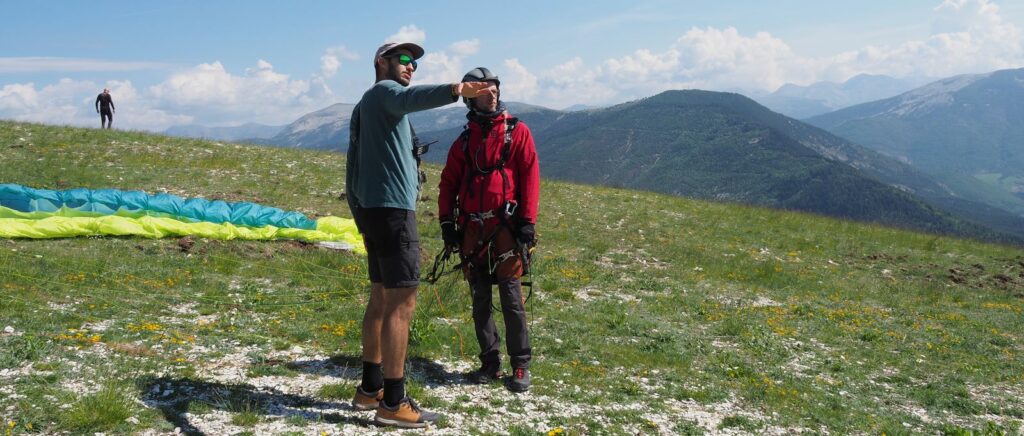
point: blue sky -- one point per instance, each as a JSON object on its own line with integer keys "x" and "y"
{"x": 231, "y": 62}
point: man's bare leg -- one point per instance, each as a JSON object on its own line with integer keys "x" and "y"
{"x": 370, "y": 391}
{"x": 373, "y": 319}
{"x": 399, "y": 303}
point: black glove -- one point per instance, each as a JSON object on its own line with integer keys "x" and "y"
{"x": 526, "y": 235}
{"x": 450, "y": 235}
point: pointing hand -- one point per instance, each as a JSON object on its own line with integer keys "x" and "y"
{"x": 474, "y": 89}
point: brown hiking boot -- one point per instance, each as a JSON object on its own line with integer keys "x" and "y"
{"x": 367, "y": 400}
{"x": 405, "y": 415}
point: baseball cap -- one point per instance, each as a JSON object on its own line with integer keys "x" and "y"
{"x": 417, "y": 51}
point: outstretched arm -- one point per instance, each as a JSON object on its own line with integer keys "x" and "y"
{"x": 400, "y": 100}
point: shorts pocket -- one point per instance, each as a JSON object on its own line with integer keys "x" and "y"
{"x": 408, "y": 234}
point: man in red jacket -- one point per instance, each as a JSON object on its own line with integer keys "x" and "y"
{"x": 487, "y": 206}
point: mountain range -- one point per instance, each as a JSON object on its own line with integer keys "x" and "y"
{"x": 965, "y": 131}
{"x": 806, "y": 101}
{"x": 725, "y": 146}
{"x": 324, "y": 129}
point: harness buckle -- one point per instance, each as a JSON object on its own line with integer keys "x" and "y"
{"x": 510, "y": 208}
{"x": 481, "y": 216}
{"x": 506, "y": 255}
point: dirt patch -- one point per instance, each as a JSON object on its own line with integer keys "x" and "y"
{"x": 186, "y": 244}
{"x": 886, "y": 257}
{"x": 1005, "y": 274}
{"x": 300, "y": 245}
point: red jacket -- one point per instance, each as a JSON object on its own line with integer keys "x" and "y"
{"x": 476, "y": 192}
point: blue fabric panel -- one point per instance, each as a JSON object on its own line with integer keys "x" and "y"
{"x": 111, "y": 201}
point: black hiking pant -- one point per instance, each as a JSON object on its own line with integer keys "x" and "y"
{"x": 517, "y": 336}
{"x": 106, "y": 118}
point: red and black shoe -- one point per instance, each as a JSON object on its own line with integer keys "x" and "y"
{"x": 519, "y": 381}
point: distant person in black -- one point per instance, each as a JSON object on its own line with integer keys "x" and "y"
{"x": 105, "y": 107}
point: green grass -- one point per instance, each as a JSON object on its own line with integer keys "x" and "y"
{"x": 809, "y": 323}
{"x": 106, "y": 410}
{"x": 338, "y": 391}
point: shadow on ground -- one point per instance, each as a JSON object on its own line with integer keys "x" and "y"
{"x": 175, "y": 397}
{"x": 425, "y": 371}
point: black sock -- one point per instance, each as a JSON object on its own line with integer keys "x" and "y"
{"x": 373, "y": 377}
{"x": 394, "y": 391}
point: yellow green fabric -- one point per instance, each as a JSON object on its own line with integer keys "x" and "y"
{"x": 39, "y": 225}
{"x": 6, "y": 212}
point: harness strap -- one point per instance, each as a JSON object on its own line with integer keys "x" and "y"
{"x": 503, "y": 212}
{"x": 506, "y": 255}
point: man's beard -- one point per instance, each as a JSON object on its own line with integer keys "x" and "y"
{"x": 396, "y": 75}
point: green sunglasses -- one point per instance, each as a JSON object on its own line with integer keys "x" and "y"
{"x": 404, "y": 59}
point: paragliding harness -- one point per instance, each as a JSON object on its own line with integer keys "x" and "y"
{"x": 504, "y": 213}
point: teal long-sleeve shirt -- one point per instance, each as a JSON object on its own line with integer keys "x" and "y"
{"x": 381, "y": 170}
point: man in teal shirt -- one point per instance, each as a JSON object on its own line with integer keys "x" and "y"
{"x": 381, "y": 183}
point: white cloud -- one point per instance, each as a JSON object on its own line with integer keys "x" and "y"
{"x": 63, "y": 102}
{"x": 963, "y": 15}
{"x": 725, "y": 58}
{"x": 332, "y": 58}
{"x": 58, "y": 64}
{"x": 968, "y": 36}
{"x": 18, "y": 95}
{"x": 137, "y": 110}
{"x": 409, "y": 33}
{"x": 465, "y": 48}
{"x": 574, "y": 82}
{"x": 261, "y": 95}
{"x": 446, "y": 66}
{"x": 438, "y": 67}
{"x": 517, "y": 83}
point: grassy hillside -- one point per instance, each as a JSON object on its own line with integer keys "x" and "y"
{"x": 653, "y": 313}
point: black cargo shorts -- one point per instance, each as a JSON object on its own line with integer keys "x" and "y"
{"x": 392, "y": 245}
